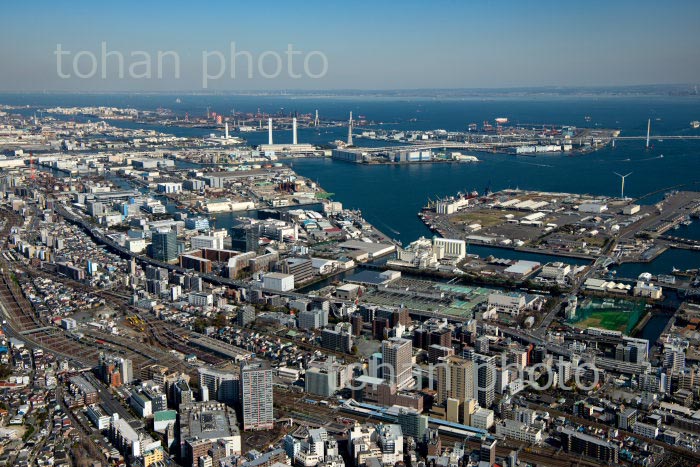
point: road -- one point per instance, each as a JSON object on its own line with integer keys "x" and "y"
{"x": 111, "y": 404}
{"x": 85, "y": 432}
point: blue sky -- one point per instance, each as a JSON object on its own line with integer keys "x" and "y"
{"x": 366, "y": 44}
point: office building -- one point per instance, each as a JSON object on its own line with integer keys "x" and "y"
{"x": 556, "y": 271}
{"x": 212, "y": 242}
{"x": 301, "y": 268}
{"x": 648, "y": 290}
{"x": 68, "y": 324}
{"x": 153, "y": 392}
{"x": 197, "y": 223}
{"x": 485, "y": 379}
{"x": 163, "y": 420}
{"x": 320, "y": 381}
{"x": 482, "y": 418}
{"x": 316, "y": 449}
{"x": 164, "y": 246}
{"x": 413, "y": 423}
{"x": 374, "y": 366}
{"x": 487, "y": 452}
{"x": 390, "y": 442}
{"x": 141, "y": 405}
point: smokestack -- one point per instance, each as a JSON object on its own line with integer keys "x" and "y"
{"x": 294, "y": 130}
{"x": 350, "y": 131}
{"x": 269, "y": 131}
{"x": 226, "y": 131}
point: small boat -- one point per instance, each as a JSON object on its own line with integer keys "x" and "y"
{"x": 695, "y": 124}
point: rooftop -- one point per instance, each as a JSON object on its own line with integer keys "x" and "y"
{"x": 207, "y": 420}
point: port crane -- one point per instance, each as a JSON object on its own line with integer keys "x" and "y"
{"x": 487, "y": 190}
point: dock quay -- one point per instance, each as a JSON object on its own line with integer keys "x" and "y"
{"x": 564, "y": 224}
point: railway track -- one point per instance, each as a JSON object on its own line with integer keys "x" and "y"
{"x": 25, "y": 324}
{"x": 677, "y": 454}
{"x": 28, "y": 326}
{"x": 293, "y": 405}
{"x": 139, "y": 351}
{"x": 172, "y": 336}
{"x": 168, "y": 336}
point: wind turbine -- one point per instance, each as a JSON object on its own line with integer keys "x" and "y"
{"x": 623, "y": 177}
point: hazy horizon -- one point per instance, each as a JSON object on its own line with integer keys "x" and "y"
{"x": 367, "y": 46}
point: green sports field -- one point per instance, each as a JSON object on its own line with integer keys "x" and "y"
{"x": 612, "y": 314}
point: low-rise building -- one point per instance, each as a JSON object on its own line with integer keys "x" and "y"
{"x": 98, "y": 417}
{"x": 278, "y": 282}
{"x": 589, "y": 445}
{"x": 519, "y": 431}
{"x": 556, "y": 271}
{"x": 648, "y": 290}
{"x": 482, "y": 418}
{"x": 510, "y": 303}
